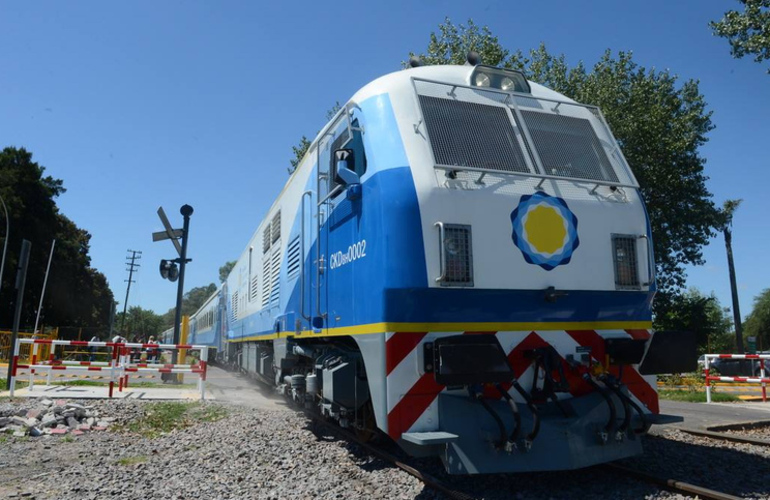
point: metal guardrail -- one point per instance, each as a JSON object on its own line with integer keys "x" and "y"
{"x": 118, "y": 367}
{"x": 762, "y": 380}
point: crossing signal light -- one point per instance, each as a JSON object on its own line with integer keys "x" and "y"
{"x": 169, "y": 270}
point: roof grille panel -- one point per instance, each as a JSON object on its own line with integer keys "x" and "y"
{"x": 568, "y": 146}
{"x": 469, "y": 134}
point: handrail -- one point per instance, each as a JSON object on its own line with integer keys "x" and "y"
{"x": 442, "y": 254}
{"x": 302, "y": 257}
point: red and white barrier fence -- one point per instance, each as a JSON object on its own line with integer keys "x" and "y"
{"x": 119, "y": 366}
{"x": 763, "y": 379}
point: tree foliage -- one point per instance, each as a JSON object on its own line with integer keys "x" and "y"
{"x": 757, "y": 324}
{"x": 693, "y": 311}
{"x": 77, "y": 294}
{"x": 300, "y": 149}
{"x": 659, "y": 122}
{"x": 299, "y": 152}
{"x": 453, "y": 42}
{"x": 139, "y": 324}
{"x": 191, "y": 302}
{"x": 224, "y": 271}
{"x": 749, "y": 31}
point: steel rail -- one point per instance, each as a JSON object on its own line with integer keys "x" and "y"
{"x": 426, "y": 478}
{"x": 727, "y": 437}
{"x": 672, "y": 484}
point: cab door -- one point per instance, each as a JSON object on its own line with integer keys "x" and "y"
{"x": 340, "y": 210}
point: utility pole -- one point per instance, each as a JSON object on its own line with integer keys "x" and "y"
{"x": 21, "y": 279}
{"x": 728, "y": 209}
{"x": 132, "y": 265}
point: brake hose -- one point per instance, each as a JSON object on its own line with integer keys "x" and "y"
{"x": 535, "y": 414}
{"x": 626, "y": 407}
{"x": 613, "y": 414}
{"x": 479, "y": 396}
{"x": 516, "y": 416}
{"x": 645, "y": 424}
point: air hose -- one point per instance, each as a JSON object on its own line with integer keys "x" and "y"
{"x": 535, "y": 414}
{"x": 626, "y": 407}
{"x": 516, "y": 415}
{"x": 608, "y": 398}
{"x": 645, "y": 423}
{"x": 479, "y": 396}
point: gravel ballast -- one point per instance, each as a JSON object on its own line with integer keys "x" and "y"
{"x": 276, "y": 454}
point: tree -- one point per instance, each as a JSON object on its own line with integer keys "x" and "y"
{"x": 140, "y": 322}
{"x": 299, "y": 152}
{"x": 749, "y": 31}
{"x": 452, "y": 44}
{"x": 224, "y": 271}
{"x": 658, "y": 122}
{"x": 300, "y": 149}
{"x": 77, "y": 294}
{"x": 726, "y": 222}
{"x": 692, "y": 311}
{"x": 758, "y": 322}
{"x": 191, "y": 302}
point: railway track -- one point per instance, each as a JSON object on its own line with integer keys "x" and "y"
{"x": 724, "y": 436}
{"x": 426, "y": 478}
{"x": 673, "y": 485}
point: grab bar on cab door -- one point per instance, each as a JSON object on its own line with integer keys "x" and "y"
{"x": 302, "y": 257}
{"x": 442, "y": 256}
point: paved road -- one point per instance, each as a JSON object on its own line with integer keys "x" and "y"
{"x": 702, "y": 415}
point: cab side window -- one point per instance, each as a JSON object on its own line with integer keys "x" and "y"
{"x": 355, "y": 143}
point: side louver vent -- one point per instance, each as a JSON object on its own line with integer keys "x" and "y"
{"x": 292, "y": 269}
{"x": 254, "y": 288}
{"x": 275, "y": 288}
{"x": 234, "y": 306}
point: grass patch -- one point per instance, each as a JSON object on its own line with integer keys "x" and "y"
{"x": 139, "y": 459}
{"x": 695, "y": 397}
{"x": 67, "y": 439}
{"x": 168, "y": 416}
{"x": 19, "y": 383}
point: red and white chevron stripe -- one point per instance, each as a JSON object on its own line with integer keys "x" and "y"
{"x": 412, "y": 395}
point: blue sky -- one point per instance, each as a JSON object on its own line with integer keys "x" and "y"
{"x": 141, "y": 104}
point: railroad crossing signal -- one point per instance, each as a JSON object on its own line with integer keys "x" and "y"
{"x": 169, "y": 234}
{"x": 169, "y": 270}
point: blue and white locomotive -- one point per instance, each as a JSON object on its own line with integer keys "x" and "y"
{"x": 462, "y": 261}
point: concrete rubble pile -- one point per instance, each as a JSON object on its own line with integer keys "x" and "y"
{"x": 53, "y": 417}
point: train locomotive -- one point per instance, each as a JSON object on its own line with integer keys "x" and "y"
{"x": 461, "y": 262}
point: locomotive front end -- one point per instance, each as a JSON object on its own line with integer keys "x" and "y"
{"x": 530, "y": 346}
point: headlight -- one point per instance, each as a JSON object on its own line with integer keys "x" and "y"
{"x": 481, "y": 80}
{"x": 507, "y": 80}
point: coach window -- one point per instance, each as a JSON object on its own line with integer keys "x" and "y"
{"x": 356, "y": 143}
